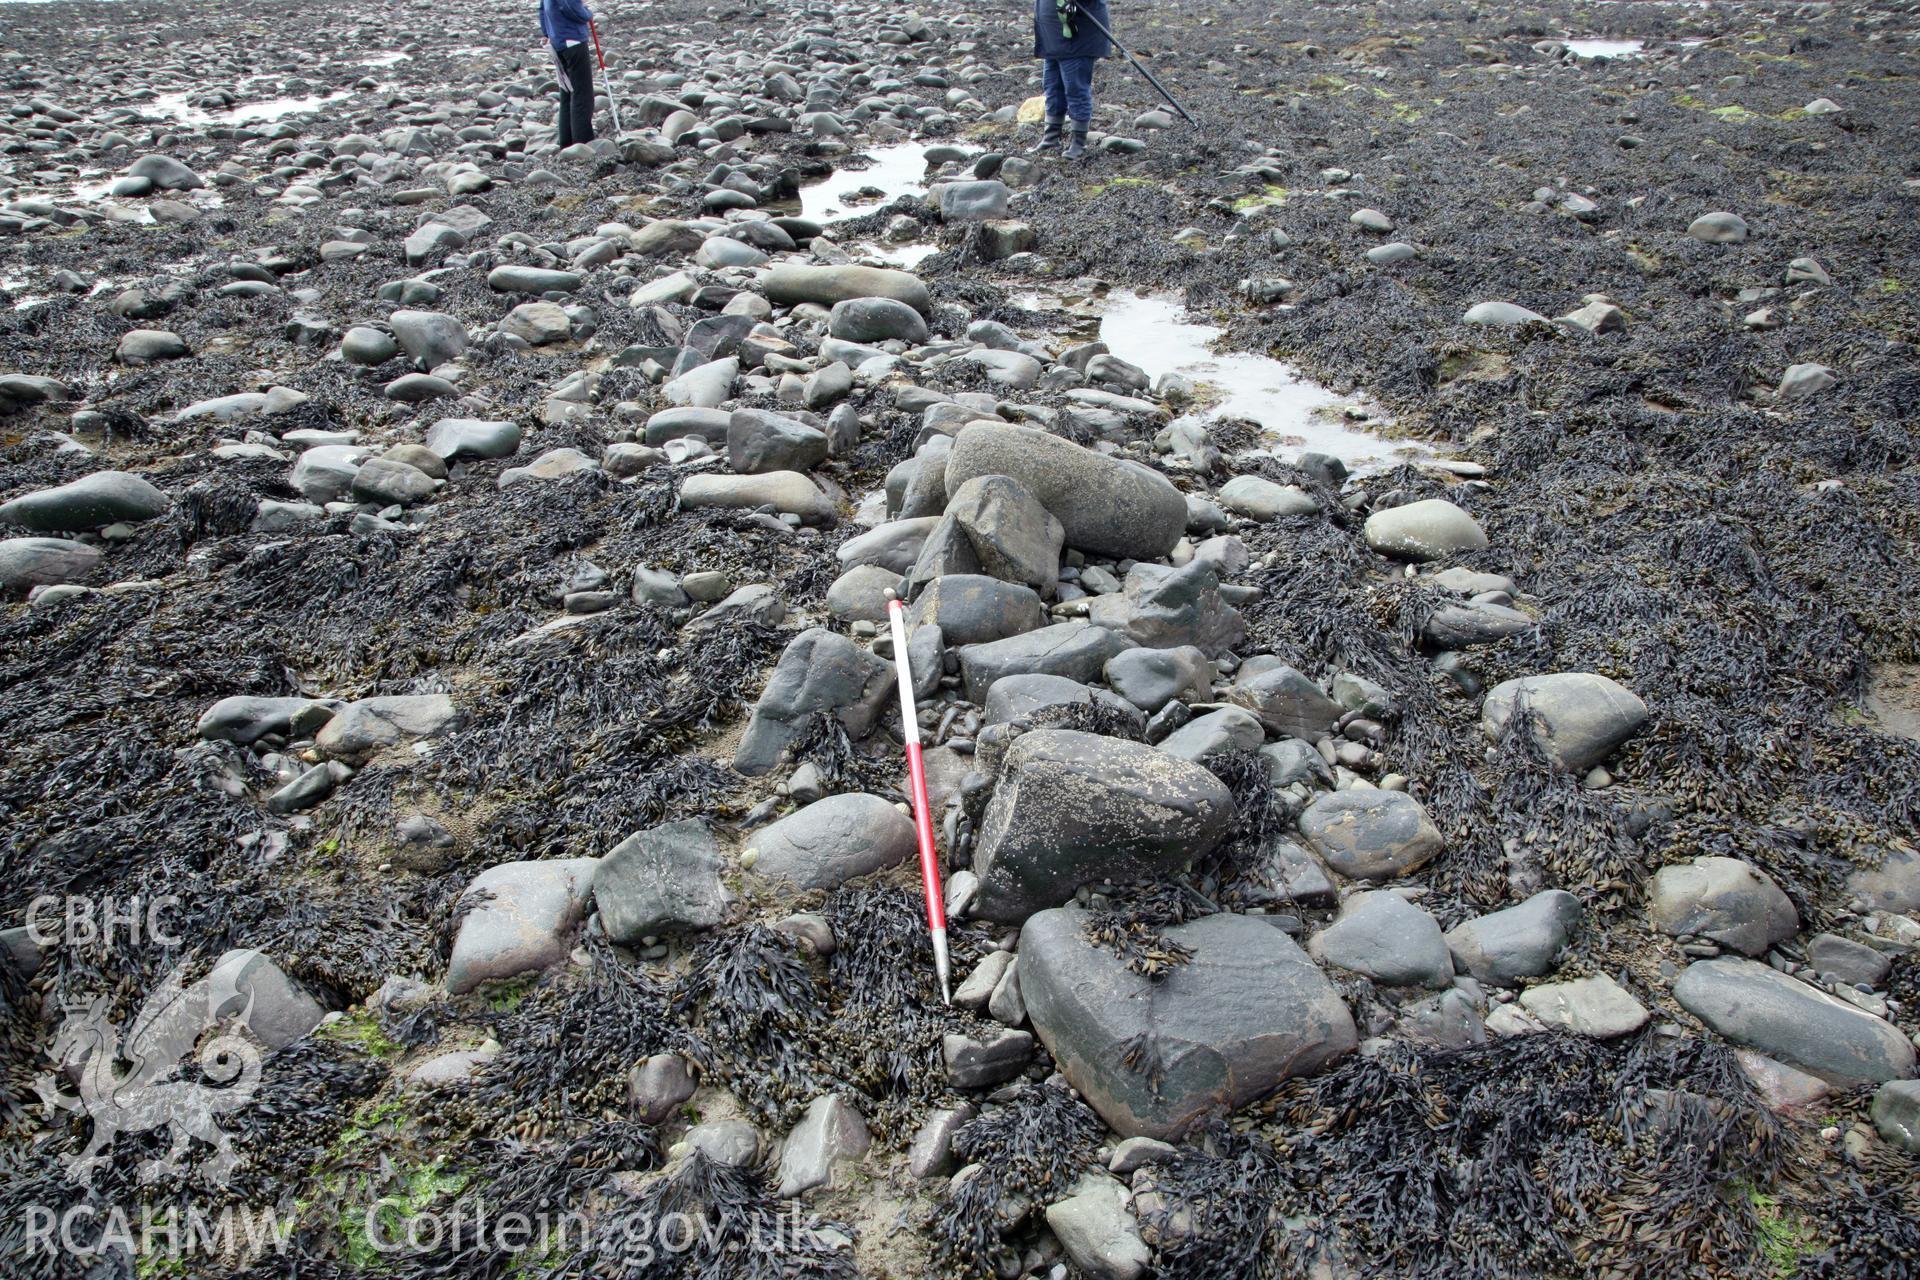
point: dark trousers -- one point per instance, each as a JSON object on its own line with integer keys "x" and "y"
{"x": 576, "y": 93}
{"x": 1068, "y": 83}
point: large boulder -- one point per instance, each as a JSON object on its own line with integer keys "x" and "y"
{"x": 1520, "y": 942}
{"x": 39, "y": 562}
{"x": 1076, "y": 650}
{"x": 1369, "y": 834}
{"x": 1287, "y": 703}
{"x": 1071, "y": 808}
{"x": 1756, "y": 1005}
{"x": 665, "y": 879}
{"x": 103, "y": 498}
{"x": 819, "y": 671}
{"x": 362, "y": 727}
{"x": 245, "y": 719}
{"x": 1018, "y": 696}
{"x": 1105, "y": 505}
{"x": 1578, "y": 717}
{"x": 452, "y": 438}
{"x": 519, "y": 920}
{"x": 1164, "y": 608}
{"x": 794, "y": 282}
{"x": 1014, "y": 537}
{"x": 1246, "y": 1011}
{"x": 971, "y": 608}
{"x": 876, "y": 320}
{"x": 1724, "y": 900}
{"x": 759, "y": 442}
{"x": 1431, "y": 529}
{"x": 789, "y": 491}
{"x": 833, "y": 840}
{"x": 1382, "y": 936}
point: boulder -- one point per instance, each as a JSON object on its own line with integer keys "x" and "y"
{"x": 1287, "y": 703}
{"x": 759, "y": 442}
{"x": 1520, "y": 942}
{"x": 1382, "y": 936}
{"x": 1014, "y": 537}
{"x": 1096, "y": 1228}
{"x": 1369, "y": 834}
{"x": 665, "y": 879}
{"x": 818, "y": 671}
{"x": 794, "y": 282}
{"x": 971, "y": 608}
{"x": 1151, "y": 678}
{"x": 245, "y": 719}
{"x": 1246, "y": 1011}
{"x": 832, "y": 1132}
{"x": 522, "y": 916}
{"x": 1164, "y": 608}
{"x": 1071, "y": 808}
{"x": 788, "y": 491}
{"x": 1076, "y": 650}
{"x": 1756, "y": 1005}
{"x": 833, "y": 840}
{"x": 1578, "y": 717}
{"x": 452, "y": 438}
{"x": 1258, "y": 498}
{"x": 362, "y": 727}
{"x": 1597, "y": 1007}
{"x": 1431, "y": 529}
{"x": 40, "y": 562}
{"x": 1105, "y": 505}
{"x": 103, "y": 498}
{"x": 876, "y": 320}
{"x": 1723, "y": 900}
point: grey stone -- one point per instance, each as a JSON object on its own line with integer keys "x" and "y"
{"x": 1722, "y": 899}
{"x": 1076, "y": 650}
{"x": 165, "y": 173}
{"x": 793, "y": 282}
{"x": 1597, "y": 1007}
{"x": 831, "y": 1133}
{"x": 1261, "y": 499}
{"x": 1756, "y": 1005}
{"x": 523, "y": 915}
{"x": 894, "y": 545}
{"x": 861, "y": 593}
{"x": 1896, "y": 1114}
{"x": 1462, "y": 626}
{"x": 429, "y": 338}
{"x": 1151, "y": 678}
{"x": 102, "y": 498}
{"x": 876, "y": 320}
{"x": 931, "y": 1154}
{"x": 1098, "y": 1232}
{"x": 980, "y": 201}
{"x": 1071, "y": 808}
{"x": 473, "y": 438}
{"x": 759, "y": 442}
{"x": 1014, "y": 537}
{"x": 1500, "y": 315}
{"x": 1893, "y": 885}
{"x": 703, "y": 386}
{"x": 36, "y": 562}
{"x": 390, "y": 483}
{"x": 980, "y": 1062}
{"x": 818, "y": 671}
{"x": 245, "y": 719}
{"x": 1578, "y": 717}
{"x": 732, "y": 1144}
{"x": 657, "y": 1087}
{"x": 372, "y": 723}
{"x": 710, "y": 425}
{"x": 1718, "y": 228}
{"x": 1840, "y": 959}
{"x": 1215, "y": 733}
{"x": 1287, "y": 703}
{"x": 325, "y": 472}
{"x": 1520, "y": 942}
{"x": 1384, "y": 937}
{"x": 665, "y": 879}
{"x": 1431, "y": 529}
{"x": 1022, "y": 695}
{"x": 1803, "y": 380}
{"x": 538, "y": 323}
{"x": 279, "y": 1010}
{"x": 516, "y": 278}
{"x": 1288, "y": 874}
{"x": 1246, "y": 1011}
{"x": 1163, "y": 608}
{"x": 1369, "y": 834}
{"x": 788, "y": 491}
{"x": 975, "y": 609}
{"x": 1291, "y": 760}
{"x": 833, "y": 840}
{"x": 1104, "y": 505}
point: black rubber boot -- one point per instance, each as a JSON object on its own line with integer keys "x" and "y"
{"x": 1050, "y": 140}
{"x": 1077, "y": 143}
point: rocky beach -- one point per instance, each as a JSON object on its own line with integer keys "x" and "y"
{"x": 1413, "y": 598}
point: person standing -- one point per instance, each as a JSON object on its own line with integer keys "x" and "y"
{"x": 1069, "y": 43}
{"x": 567, "y": 24}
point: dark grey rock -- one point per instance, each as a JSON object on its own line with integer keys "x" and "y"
{"x": 1165, "y": 608}
{"x": 1071, "y": 808}
{"x": 1520, "y": 942}
{"x": 1287, "y": 703}
{"x": 1369, "y": 834}
{"x": 833, "y": 840}
{"x": 1014, "y": 537}
{"x": 1076, "y": 650}
{"x": 1756, "y": 1005}
{"x": 1578, "y": 718}
{"x": 522, "y": 916}
{"x": 819, "y": 671}
{"x": 1722, "y": 899}
{"x": 1384, "y": 937}
{"x": 831, "y": 1133}
{"x": 975, "y": 609}
{"x": 103, "y": 498}
{"x": 1151, "y": 678}
{"x": 876, "y": 320}
{"x": 759, "y": 442}
{"x": 980, "y": 1062}
{"x": 665, "y": 879}
{"x": 1215, "y": 733}
{"x": 1896, "y": 1114}
{"x": 1840, "y": 959}
{"x": 429, "y": 338}
{"x": 1105, "y": 505}
{"x": 1247, "y": 1011}
{"x": 1017, "y": 696}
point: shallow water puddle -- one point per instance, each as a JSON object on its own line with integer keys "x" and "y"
{"x": 1604, "y": 48}
{"x": 384, "y": 59}
{"x": 895, "y": 171}
{"x": 1154, "y": 332}
{"x": 179, "y": 106}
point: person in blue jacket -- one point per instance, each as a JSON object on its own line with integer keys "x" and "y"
{"x": 1070, "y": 44}
{"x": 567, "y": 27}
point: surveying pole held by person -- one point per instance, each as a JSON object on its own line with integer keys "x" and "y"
{"x": 1069, "y": 36}
{"x": 568, "y": 27}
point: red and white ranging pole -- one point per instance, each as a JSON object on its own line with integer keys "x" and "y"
{"x": 922, "y": 814}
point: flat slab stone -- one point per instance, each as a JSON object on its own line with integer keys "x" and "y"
{"x": 1756, "y": 1005}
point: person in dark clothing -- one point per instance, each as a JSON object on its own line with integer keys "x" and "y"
{"x": 567, "y": 25}
{"x": 1070, "y": 44}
